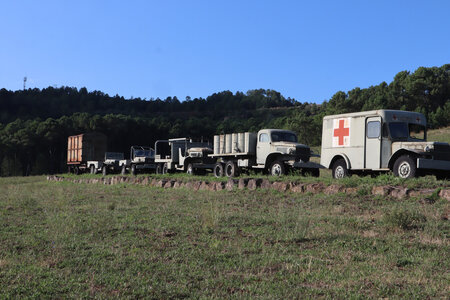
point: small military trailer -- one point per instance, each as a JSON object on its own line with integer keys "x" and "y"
{"x": 142, "y": 158}
{"x": 183, "y": 154}
{"x": 85, "y": 149}
{"x": 380, "y": 141}
{"x": 113, "y": 162}
{"x": 275, "y": 151}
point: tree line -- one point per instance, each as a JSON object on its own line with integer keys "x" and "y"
{"x": 35, "y": 124}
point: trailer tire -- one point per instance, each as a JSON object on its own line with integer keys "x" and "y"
{"x": 340, "y": 169}
{"x": 133, "y": 170}
{"x": 277, "y": 168}
{"x": 92, "y": 169}
{"x": 104, "y": 171}
{"x": 158, "y": 169}
{"x": 231, "y": 169}
{"x": 218, "y": 170}
{"x": 190, "y": 169}
{"x": 405, "y": 167}
{"x": 165, "y": 169}
{"x": 76, "y": 171}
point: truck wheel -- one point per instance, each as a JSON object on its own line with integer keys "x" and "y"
{"x": 277, "y": 168}
{"x": 92, "y": 169}
{"x": 190, "y": 169}
{"x": 165, "y": 169}
{"x": 104, "y": 171}
{"x": 218, "y": 170}
{"x": 76, "y": 171}
{"x": 405, "y": 167}
{"x": 133, "y": 170}
{"x": 231, "y": 169}
{"x": 124, "y": 170}
{"x": 340, "y": 169}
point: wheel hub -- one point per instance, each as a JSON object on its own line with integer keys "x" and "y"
{"x": 404, "y": 170}
{"x": 339, "y": 173}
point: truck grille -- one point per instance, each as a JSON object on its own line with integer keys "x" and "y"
{"x": 441, "y": 151}
{"x": 303, "y": 153}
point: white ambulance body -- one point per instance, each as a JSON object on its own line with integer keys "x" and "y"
{"x": 382, "y": 140}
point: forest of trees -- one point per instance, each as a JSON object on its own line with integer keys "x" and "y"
{"x": 35, "y": 124}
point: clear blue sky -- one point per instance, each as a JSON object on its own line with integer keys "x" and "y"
{"x": 307, "y": 50}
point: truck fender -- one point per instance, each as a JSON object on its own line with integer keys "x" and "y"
{"x": 271, "y": 158}
{"x": 399, "y": 153}
{"x": 338, "y": 156}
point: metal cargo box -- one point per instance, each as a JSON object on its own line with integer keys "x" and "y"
{"x": 85, "y": 147}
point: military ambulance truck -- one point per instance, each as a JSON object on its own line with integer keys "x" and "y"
{"x": 182, "y": 154}
{"x": 379, "y": 141}
{"x": 271, "y": 150}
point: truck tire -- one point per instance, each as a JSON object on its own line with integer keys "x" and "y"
{"x": 231, "y": 169}
{"x": 123, "y": 171}
{"x": 165, "y": 169}
{"x": 340, "y": 169}
{"x": 218, "y": 170}
{"x": 104, "y": 171}
{"x": 76, "y": 171}
{"x": 158, "y": 169}
{"x": 92, "y": 168}
{"x": 277, "y": 168}
{"x": 190, "y": 169}
{"x": 133, "y": 170}
{"x": 405, "y": 167}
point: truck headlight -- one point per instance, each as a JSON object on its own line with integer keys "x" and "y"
{"x": 428, "y": 148}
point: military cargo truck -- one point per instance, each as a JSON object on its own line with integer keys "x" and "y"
{"x": 85, "y": 149}
{"x": 275, "y": 151}
{"x": 380, "y": 141}
{"x": 182, "y": 154}
{"x": 141, "y": 158}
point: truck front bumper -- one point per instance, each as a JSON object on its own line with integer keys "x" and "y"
{"x": 307, "y": 165}
{"x": 432, "y": 164}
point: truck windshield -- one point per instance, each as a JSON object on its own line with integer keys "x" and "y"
{"x": 113, "y": 155}
{"x": 282, "y": 136}
{"x": 405, "y": 130}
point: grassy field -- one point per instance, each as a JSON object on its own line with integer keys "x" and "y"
{"x": 60, "y": 240}
{"x": 439, "y": 135}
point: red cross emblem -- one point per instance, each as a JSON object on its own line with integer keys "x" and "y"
{"x": 418, "y": 120}
{"x": 341, "y": 132}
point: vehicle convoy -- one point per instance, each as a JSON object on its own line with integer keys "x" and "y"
{"x": 182, "y": 154}
{"x": 141, "y": 158}
{"x": 85, "y": 149}
{"x": 380, "y": 141}
{"x": 113, "y": 162}
{"x": 274, "y": 151}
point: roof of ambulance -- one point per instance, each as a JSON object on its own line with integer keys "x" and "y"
{"x": 369, "y": 113}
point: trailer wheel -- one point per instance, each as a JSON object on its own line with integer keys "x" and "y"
{"x": 218, "y": 170}
{"x": 340, "y": 169}
{"x": 158, "y": 169}
{"x": 277, "y": 168}
{"x": 76, "y": 171}
{"x": 405, "y": 167}
{"x": 104, "y": 171}
{"x": 231, "y": 169}
{"x": 124, "y": 170}
{"x": 190, "y": 169}
{"x": 165, "y": 169}
{"x": 133, "y": 170}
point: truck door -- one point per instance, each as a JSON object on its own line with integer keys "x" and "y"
{"x": 262, "y": 148}
{"x": 373, "y": 143}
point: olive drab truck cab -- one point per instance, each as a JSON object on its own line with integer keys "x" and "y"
{"x": 379, "y": 141}
{"x": 272, "y": 150}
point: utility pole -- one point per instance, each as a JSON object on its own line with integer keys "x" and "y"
{"x": 24, "y": 82}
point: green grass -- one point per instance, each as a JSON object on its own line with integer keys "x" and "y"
{"x": 439, "y": 135}
{"x": 66, "y": 240}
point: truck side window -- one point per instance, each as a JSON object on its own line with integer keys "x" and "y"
{"x": 264, "y": 137}
{"x": 373, "y": 129}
